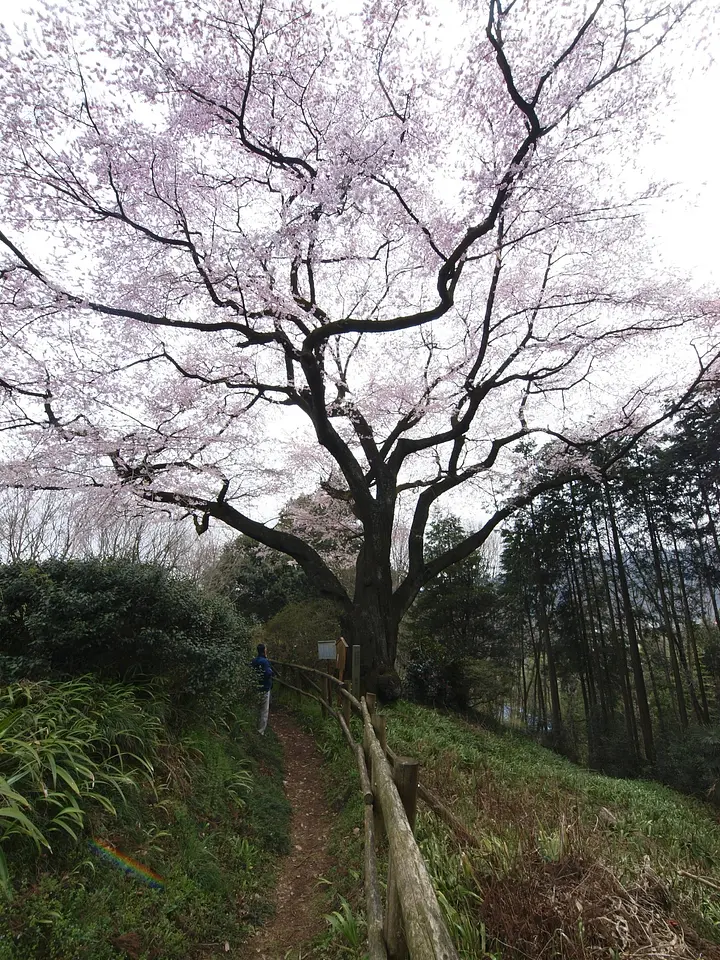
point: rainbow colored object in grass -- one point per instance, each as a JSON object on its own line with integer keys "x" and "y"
{"x": 131, "y": 867}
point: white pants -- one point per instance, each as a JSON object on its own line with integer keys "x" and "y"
{"x": 264, "y": 710}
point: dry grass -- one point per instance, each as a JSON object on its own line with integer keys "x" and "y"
{"x": 569, "y": 865}
{"x": 576, "y": 909}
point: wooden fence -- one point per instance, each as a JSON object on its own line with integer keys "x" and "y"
{"x": 409, "y": 923}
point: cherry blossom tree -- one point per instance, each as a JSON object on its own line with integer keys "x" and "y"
{"x": 251, "y": 247}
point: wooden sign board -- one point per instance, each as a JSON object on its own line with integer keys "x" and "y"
{"x": 326, "y": 650}
{"x": 341, "y": 649}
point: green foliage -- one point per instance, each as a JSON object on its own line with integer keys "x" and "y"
{"x": 611, "y": 586}
{"x": 550, "y": 835}
{"x": 451, "y": 626}
{"x": 118, "y": 620}
{"x": 346, "y": 927}
{"x": 490, "y": 684}
{"x": 257, "y": 581}
{"x": 690, "y": 761}
{"x": 454, "y": 882}
{"x": 63, "y": 750}
{"x": 433, "y": 676}
{"x": 200, "y": 823}
{"x": 293, "y": 634}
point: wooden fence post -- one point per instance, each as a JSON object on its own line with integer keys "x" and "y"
{"x": 356, "y": 671}
{"x": 405, "y": 774}
{"x": 325, "y": 695}
{"x": 346, "y": 707}
{"x": 371, "y": 701}
{"x": 378, "y": 722}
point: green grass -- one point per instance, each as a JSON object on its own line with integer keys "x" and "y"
{"x": 65, "y": 751}
{"x": 547, "y": 827}
{"x": 211, "y": 820}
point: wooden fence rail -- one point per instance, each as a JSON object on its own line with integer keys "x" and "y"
{"x": 410, "y": 923}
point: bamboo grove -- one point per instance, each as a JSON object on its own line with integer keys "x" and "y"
{"x": 611, "y": 593}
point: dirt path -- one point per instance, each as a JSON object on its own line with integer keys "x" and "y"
{"x": 298, "y": 908}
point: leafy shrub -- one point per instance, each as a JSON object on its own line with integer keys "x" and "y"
{"x": 217, "y": 789}
{"x": 435, "y": 677}
{"x": 118, "y": 620}
{"x": 293, "y": 634}
{"x": 258, "y": 581}
{"x": 63, "y": 748}
{"x": 438, "y": 677}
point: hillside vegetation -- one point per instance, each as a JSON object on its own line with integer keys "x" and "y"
{"x": 569, "y": 863}
{"x": 141, "y": 819}
{"x": 199, "y": 811}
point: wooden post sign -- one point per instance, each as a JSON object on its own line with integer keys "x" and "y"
{"x": 341, "y": 649}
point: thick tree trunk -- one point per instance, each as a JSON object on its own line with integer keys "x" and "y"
{"x": 373, "y": 623}
{"x": 376, "y": 633}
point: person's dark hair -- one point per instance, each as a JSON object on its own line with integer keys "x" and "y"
{"x": 261, "y": 649}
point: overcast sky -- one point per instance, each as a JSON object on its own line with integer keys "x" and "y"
{"x": 689, "y": 156}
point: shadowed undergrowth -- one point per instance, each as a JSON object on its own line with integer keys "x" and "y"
{"x": 201, "y": 807}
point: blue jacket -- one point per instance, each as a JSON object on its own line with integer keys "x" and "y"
{"x": 262, "y": 665}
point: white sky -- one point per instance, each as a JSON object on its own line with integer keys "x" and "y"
{"x": 688, "y": 156}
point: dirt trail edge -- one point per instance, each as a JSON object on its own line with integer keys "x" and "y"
{"x": 298, "y": 898}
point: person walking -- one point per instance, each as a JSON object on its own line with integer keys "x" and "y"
{"x": 265, "y": 675}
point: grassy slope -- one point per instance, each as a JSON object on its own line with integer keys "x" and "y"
{"x": 211, "y": 825}
{"x": 571, "y": 863}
